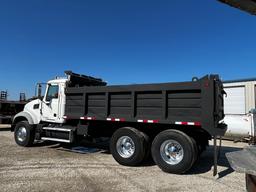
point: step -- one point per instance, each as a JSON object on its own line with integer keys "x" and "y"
{"x": 55, "y": 139}
{"x": 68, "y": 131}
{"x": 57, "y": 129}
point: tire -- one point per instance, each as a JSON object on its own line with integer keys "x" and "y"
{"x": 169, "y": 141}
{"x": 134, "y": 140}
{"x": 24, "y": 134}
{"x": 147, "y": 146}
{"x": 202, "y": 146}
{"x": 196, "y": 151}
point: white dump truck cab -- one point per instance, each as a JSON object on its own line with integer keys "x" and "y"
{"x": 44, "y": 117}
{"x": 49, "y": 108}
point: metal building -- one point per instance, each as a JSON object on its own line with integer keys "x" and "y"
{"x": 238, "y": 105}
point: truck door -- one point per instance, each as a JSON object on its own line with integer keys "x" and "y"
{"x": 50, "y": 106}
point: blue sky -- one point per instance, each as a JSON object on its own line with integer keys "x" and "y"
{"x": 123, "y": 41}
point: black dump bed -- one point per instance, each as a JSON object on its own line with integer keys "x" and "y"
{"x": 198, "y": 103}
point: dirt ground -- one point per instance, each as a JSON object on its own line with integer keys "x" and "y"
{"x": 53, "y": 167}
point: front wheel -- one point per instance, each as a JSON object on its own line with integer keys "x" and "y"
{"x": 24, "y": 134}
{"x": 173, "y": 151}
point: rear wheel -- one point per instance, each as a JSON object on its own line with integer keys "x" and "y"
{"x": 24, "y": 134}
{"x": 128, "y": 146}
{"x": 147, "y": 146}
{"x": 202, "y": 146}
{"x": 173, "y": 151}
{"x": 196, "y": 150}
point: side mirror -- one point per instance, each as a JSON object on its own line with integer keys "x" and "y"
{"x": 39, "y": 90}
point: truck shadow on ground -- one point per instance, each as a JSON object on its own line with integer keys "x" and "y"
{"x": 205, "y": 161}
{"x": 203, "y": 164}
{"x": 50, "y": 144}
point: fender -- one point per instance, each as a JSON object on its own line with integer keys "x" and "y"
{"x": 32, "y": 120}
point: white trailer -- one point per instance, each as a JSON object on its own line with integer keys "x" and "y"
{"x": 239, "y": 108}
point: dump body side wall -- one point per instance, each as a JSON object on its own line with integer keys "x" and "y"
{"x": 166, "y": 103}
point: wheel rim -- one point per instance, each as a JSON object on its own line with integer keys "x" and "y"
{"x": 125, "y": 147}
{"x": 21, "y": 134}
{"x": 172, "y": 152}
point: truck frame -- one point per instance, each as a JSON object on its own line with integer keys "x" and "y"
{"x": 172, "y": 122}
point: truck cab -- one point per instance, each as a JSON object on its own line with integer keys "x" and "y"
{"x": 49, "y": 108}
{"x": 47, "y": 113}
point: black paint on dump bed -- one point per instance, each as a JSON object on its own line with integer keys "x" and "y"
{"x": 196, "y": 101}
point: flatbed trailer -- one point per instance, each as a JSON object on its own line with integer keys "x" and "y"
{"x": 172, "y": 122}
{"x": 8, "y": 109}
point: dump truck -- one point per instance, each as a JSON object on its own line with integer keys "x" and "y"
{"x": 172, "y": 122}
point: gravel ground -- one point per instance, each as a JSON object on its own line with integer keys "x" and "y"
{"x": 50, "y": 167}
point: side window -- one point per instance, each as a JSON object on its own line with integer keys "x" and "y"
{"x": 52, "y": 93}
